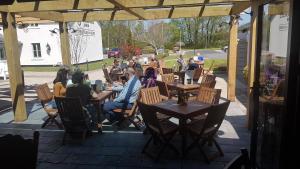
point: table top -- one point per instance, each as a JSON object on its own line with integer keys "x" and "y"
{"x": 102, "y": 96}
{"x": 192, "y": 109}
{"x": 180, "y": 86}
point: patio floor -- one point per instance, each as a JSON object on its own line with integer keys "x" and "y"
{"x": 121, "y": 149}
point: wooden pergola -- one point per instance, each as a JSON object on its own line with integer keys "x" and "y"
{"x": 64, "y": 11}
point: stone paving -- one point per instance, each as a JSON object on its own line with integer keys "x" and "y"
{"x": 119, "y": 149}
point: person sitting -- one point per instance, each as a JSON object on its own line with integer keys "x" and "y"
{"x": 125, "y": 99}
{"x": 84, "y": 92}
{"x": 181, "y": 63}
{"x": 150, "y": 77}
{"x": 116, "y": 67}
{"x": 192, "y": 65}
{"x": 153, "y": 62}
{"x": 60, "y": 83}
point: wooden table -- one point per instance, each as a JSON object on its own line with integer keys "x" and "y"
{"x": 183, "y": 91}
{"x": 191, "y": 109}
{"x": 97, "y": 102}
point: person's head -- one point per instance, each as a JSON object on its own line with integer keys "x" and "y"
{"x": 61, "y": 76}
{"x": 191, "y": 60}
{"x": 77, "y": 77}
{"x": 116, "y": 62}
{"x": 134, "y": 59}
{"x": 198, "y": 53}
{"x": 131, "y": 63}
{"x": 86, "y": 77}
{"x": 129, "y": 72}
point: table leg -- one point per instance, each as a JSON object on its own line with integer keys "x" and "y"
{"x": 182, "y": 131}
{"x": 98, "y": 107}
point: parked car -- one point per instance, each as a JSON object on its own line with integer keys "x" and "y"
{"x": 114, "y": 52}
{"x": 105, "y": 50}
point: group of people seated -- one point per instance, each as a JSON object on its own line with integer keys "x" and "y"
{"x": 67, "y": 84}
{"x": 193, "y": 63}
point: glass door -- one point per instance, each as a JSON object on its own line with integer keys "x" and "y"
{"x": 270, "y": 74}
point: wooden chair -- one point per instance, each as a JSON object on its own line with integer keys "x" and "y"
{"x": 130, "y": 115}
{"x": 241, "y": 161}
{"x": 73, "y": 116}
{"x": 46, "y": 96}
{"x": 163, "y": 131}
{"x": 166, "y": 70}
{"x": 107, "y": 76}
{"x": 209, "y": 95}
{"x": 152, "y": 96}
{"x": 203, "y": 131}
{"x": 167, "y": 78}
{"x": 17, "y": 152}
{"x": 198, "y": 72}
{"x": 208, "y": 78}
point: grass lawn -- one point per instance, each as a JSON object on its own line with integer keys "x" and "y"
{"x": 91, "y": 66}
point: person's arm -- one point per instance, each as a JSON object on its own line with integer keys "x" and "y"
{"x": 56, "y": 89}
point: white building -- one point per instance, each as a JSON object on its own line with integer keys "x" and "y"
{"x": 40, "y": 43}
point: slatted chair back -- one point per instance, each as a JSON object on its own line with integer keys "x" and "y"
{"x": 150, "y": 95}
{"x": 72, "y": 114}
{"x": 214, "y": 118}
{"x": 107, "y": 76}
{"x": 241, "y": 161}
{"x": 208, "y": 78}
{"x": 163, "y": 88}
{"x": 209, "y": 95}
{"x": 150, "y": 117}
{"x": 168, "y": 78}
{"x": 23, "y": 152}
{"x": 44, "y": 94}
{"x": 210, "y": 84}
{"x": 167, "y": 70}
{"x": 197, "y": 74}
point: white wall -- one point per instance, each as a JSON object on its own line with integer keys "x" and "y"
{"x": 279, "y": 35}
{"x": 42, "y": 35}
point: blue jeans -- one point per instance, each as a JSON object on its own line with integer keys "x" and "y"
{"x": 108, "y": 108}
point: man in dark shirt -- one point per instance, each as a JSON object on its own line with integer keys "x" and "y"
{"x": 192, "y": 64}
{"x": 79, "y": 89}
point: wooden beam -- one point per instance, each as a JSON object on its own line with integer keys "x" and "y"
{"x": 251, "y": 58}
{"x": 12, "y": 52}
{"x": 171, "y": 12}
{"x": 53, "y": 16}
{"x": 65, "y": 44}
{"x": 117, "y": 4}
{"x": 232, "y": 58}
{"x": 202, "y": 9}
{"x": 59, "y": 5}
{"x": 239, "y": 7}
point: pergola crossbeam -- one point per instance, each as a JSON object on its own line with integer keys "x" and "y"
{"x": 116, "y": 3}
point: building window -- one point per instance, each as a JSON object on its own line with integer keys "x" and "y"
{"x": 2, "y": 54}
{"x": 36, "y": 47}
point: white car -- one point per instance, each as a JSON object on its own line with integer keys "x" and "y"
{"x": 225, "y": 49}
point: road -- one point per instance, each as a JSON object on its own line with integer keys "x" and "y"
{"x": 208, "y": 54}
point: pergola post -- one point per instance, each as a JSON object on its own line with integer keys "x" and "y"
{"x": 251, "y": 57}
{"x": 232, "y": 58}
{"x": 65, "y": 44}
{"x": 12, "y": 52}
